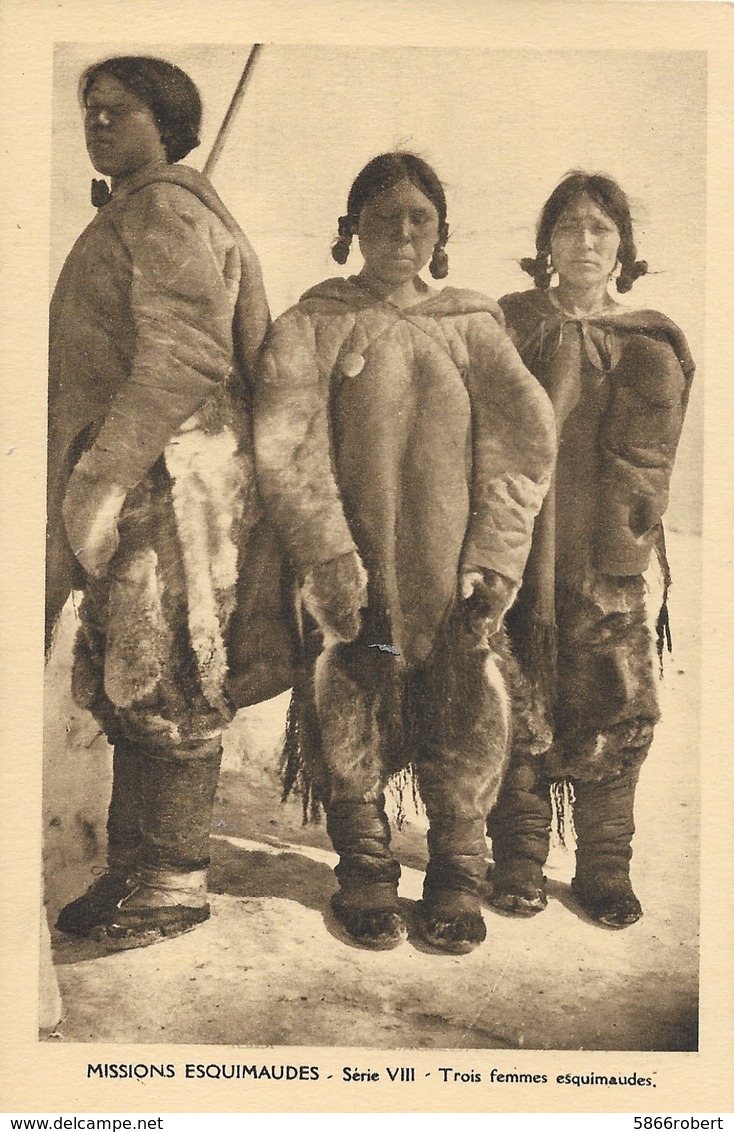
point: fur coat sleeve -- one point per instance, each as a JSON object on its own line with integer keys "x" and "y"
{"x": 181, "y": 311}
{"x": 293, "y": 445}
{"x": 514, "y": 450}
{"x": 638, "y": 447}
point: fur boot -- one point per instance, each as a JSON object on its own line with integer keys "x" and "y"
{"x": 101, "y": 899}
{"x": 450, "y": 914}
{"x": 604, "y": 823}
{"x": 366, "y": 904}
{"x": 169, "y": 893}
{"x": 464, "y": 712}
{"x": 519, "y": 826}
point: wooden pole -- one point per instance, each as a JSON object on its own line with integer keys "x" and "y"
{"x": 232, "y": 110}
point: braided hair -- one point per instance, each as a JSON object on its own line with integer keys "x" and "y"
{"x": 384, "y": 172}
{"x": 612, "y": 200}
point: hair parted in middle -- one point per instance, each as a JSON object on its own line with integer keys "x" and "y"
{"x": 169, "y": 93}
{"x": 612, "y": 200}
{"x": 384, "y": 172}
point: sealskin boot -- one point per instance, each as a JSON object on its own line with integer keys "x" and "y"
{"x": 366, "y": 904}
{"x": 168, "y": 896}
{"x": 95, "y": 906}
{"x": 449, "y": 915}
{"x": 162, "y": 903}
{"x": 519, "y": 826}
{"x": 98, "y": 903}
{"x": 603, "y": 819}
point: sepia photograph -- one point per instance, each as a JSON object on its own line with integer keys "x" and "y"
{"x": 373, "y": 681}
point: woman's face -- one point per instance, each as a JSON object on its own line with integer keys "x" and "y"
{"x": 120, "y": 131}
{"x": 397, "y": 230}
{"x": 584, "y": 244}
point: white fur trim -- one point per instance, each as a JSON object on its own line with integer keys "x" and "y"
{"x": 210, "y": 484}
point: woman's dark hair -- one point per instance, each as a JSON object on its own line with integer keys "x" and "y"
{"x": 380, "y": 174}
{"x": 168, "y": 92}
{"x": 610, "y": 198}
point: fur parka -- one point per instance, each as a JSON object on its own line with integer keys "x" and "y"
{"x": 619, "y": 382}
{"x": 415, "y": 436}
{"x": 156, "y": 322}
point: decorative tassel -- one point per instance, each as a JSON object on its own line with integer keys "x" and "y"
{"x": 401, "y": 784}
{"x": 300, "y": 751}
{"x": 663, "y": 634}
{"x": 562, "y": 799}
{"x": 664, "y": 638}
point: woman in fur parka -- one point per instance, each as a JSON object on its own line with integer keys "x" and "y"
{"x": 619, "y": 382}
{"x": 156, "y": 319}
{"x": 403, "y": 451}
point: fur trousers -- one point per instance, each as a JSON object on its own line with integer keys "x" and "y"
{"x": 606, "y": 709}
{"x": 150, "y": 657}
{"x": 373, "y": 715}
{"x": 606, "y": 704}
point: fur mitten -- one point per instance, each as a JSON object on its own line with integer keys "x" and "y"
{"x": 487, "y": 596}
{"x": 334, "y": 593}
{"x": 91, "y": 509}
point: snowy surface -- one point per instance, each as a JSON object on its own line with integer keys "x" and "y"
{"x": 272, "y": 967}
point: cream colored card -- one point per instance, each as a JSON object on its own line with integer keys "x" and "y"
{"x": 266, "y": 1008}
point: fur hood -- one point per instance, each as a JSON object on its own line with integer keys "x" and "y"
{"x": 444, "y": 303}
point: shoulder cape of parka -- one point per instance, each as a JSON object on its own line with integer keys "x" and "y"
{"x": 156, "y": 322}
{"x": 416, "y": 436}
{"x": 650, "y": 369}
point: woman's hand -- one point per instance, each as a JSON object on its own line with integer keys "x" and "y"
{"x": 91, "y": 509}
{"x": 487, "y": 596}
{"x": 643, "y": 515}
{"x": 334, "y": 593}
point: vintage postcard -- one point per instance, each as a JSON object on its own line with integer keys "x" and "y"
{"x": 378, "y": 758}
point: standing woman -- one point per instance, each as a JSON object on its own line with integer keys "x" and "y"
{"x": 156, "y": 321}
{"x": 403, "y": 451}
{"x": 619, "y": 382}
